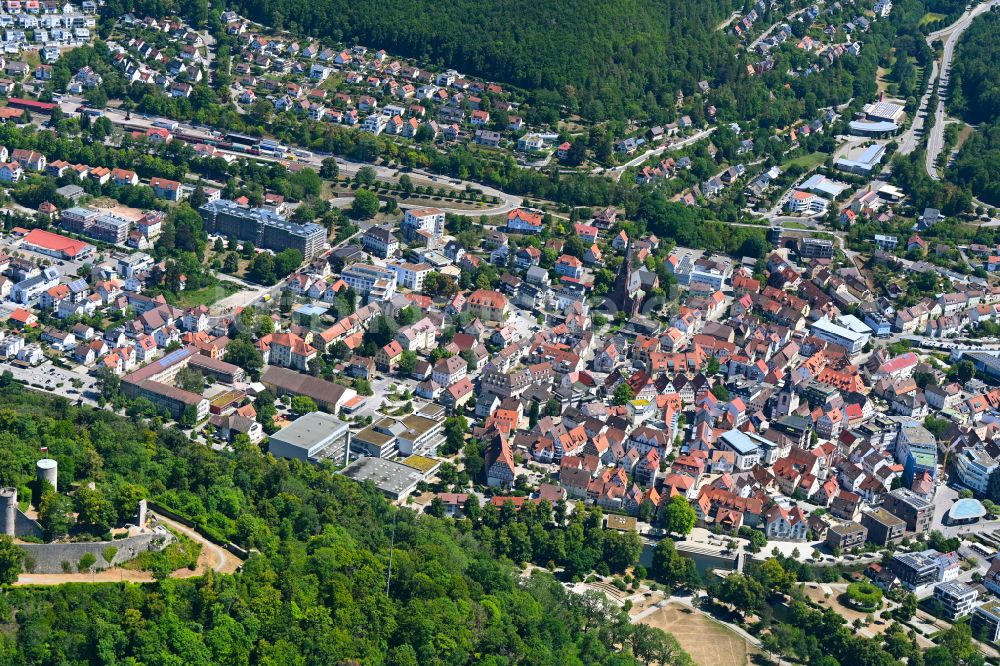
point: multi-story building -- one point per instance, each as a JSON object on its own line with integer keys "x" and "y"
{"x": 490, "y": 306}
{"x": 499, "y": 463}
{"x": 915, "y": 510}
{"x": 288, "y": 350}
{"x": 262, "y": 227}
{"x": 744, "y": 446}
{"x": 915, "y": 571}
{"x": 819, "y": 248}
{"x": 380, "y": 241}
{"x": 974, "y": 467}
{"x": 429, "y": 220}
{"x": 851, "y": 340}
{"x": 449, "y": 370}
{"x": 411, "y": 276}
{"x": 110, "y": 229}
{"x": 883, "y": 527}
{"x": 77, "y": 219}
{"x": 846, "y": 536}
{"x": 986, "y": 621}
{"x": 154, "y": 381}
{"x": 420, "y": 433}
{"x": 916, "y": 450}
{"x": 376, "y": 283}
{"x": 104, "y": 227}
{"x": 956, "y": 598}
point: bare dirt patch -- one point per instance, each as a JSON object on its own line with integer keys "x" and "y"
{"x": 708, "y": 643}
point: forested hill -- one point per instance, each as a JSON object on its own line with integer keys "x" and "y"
{"x": 975, "y": 77}
{"x": 975, "y": 97}
{"x": 315, "y": 591}
{"x": 607, "y": 57}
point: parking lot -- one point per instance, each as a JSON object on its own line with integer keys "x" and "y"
{"x": 48, "y": 377}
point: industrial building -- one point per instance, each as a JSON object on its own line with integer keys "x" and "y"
{"x": 864, "y": 163}
{"x": 312, "y": 437}
{"x": 262, "y": 227}
{"x": 55, "y": 245}
{"x": 393, "y": 479}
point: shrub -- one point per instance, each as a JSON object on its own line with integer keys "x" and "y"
{"x": 864, "y": 596}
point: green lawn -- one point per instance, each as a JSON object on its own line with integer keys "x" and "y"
{"x": 810, "y": 161}
{"x": 203, "y": 296}
{"x": 931, "y": 17}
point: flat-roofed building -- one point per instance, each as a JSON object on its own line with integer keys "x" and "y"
{"x": 419, "y": 433}
{"x": 975, "y": 466}
{"x": 745, "y": 446}
{"x": 916, "y": 571}
{"x": 394, "y": 480}
{"x": 863, "y": 163}
{"x": 846, "y": 536}
{"x": 312, "y": 437}
{"x": 883, "y": 527}
{"x": 816, "y": 248}
{"x": 376, "y": 441}
{"x": 886, "y": 111}
{"x": 956, "y": 598}
{"x": 852, "y": 341}
{"x": 986, "y": 621}
{"x": 263, "y": 227}
{"x": 914, "y": 509}
{"x": 376, "y": 283}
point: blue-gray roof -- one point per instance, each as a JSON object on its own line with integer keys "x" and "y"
{"x": 967, "y": 508}
{"x": 740, "y": 442}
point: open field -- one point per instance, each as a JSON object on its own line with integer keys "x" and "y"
{"x": 880, "y": 79}
{"x": 708, "y": 643}
{"x": 205, "y": 295}
{"x": 807, "y": 162}
{"x": 931, "y": 17}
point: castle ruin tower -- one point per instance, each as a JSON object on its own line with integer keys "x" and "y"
{"x": 8, "y": 511}
{"x": 47, "y": 469}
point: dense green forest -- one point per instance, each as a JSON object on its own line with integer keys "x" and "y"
{"x": 602, "y": 57}
{"x": 315, "y": 593}
{"x": 975, "y": 97}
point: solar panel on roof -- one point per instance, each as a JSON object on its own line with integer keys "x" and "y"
{"x": 173, "y": 357}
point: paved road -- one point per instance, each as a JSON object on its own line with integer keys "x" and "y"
{"x": 508, "y": 202}
{"x": 616, "y": 172}
{"x": 909, "y": 140}
{"x": 951, "y": 36}
{"x": 764, "y": 35}
{"x": 732, "y": 17}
